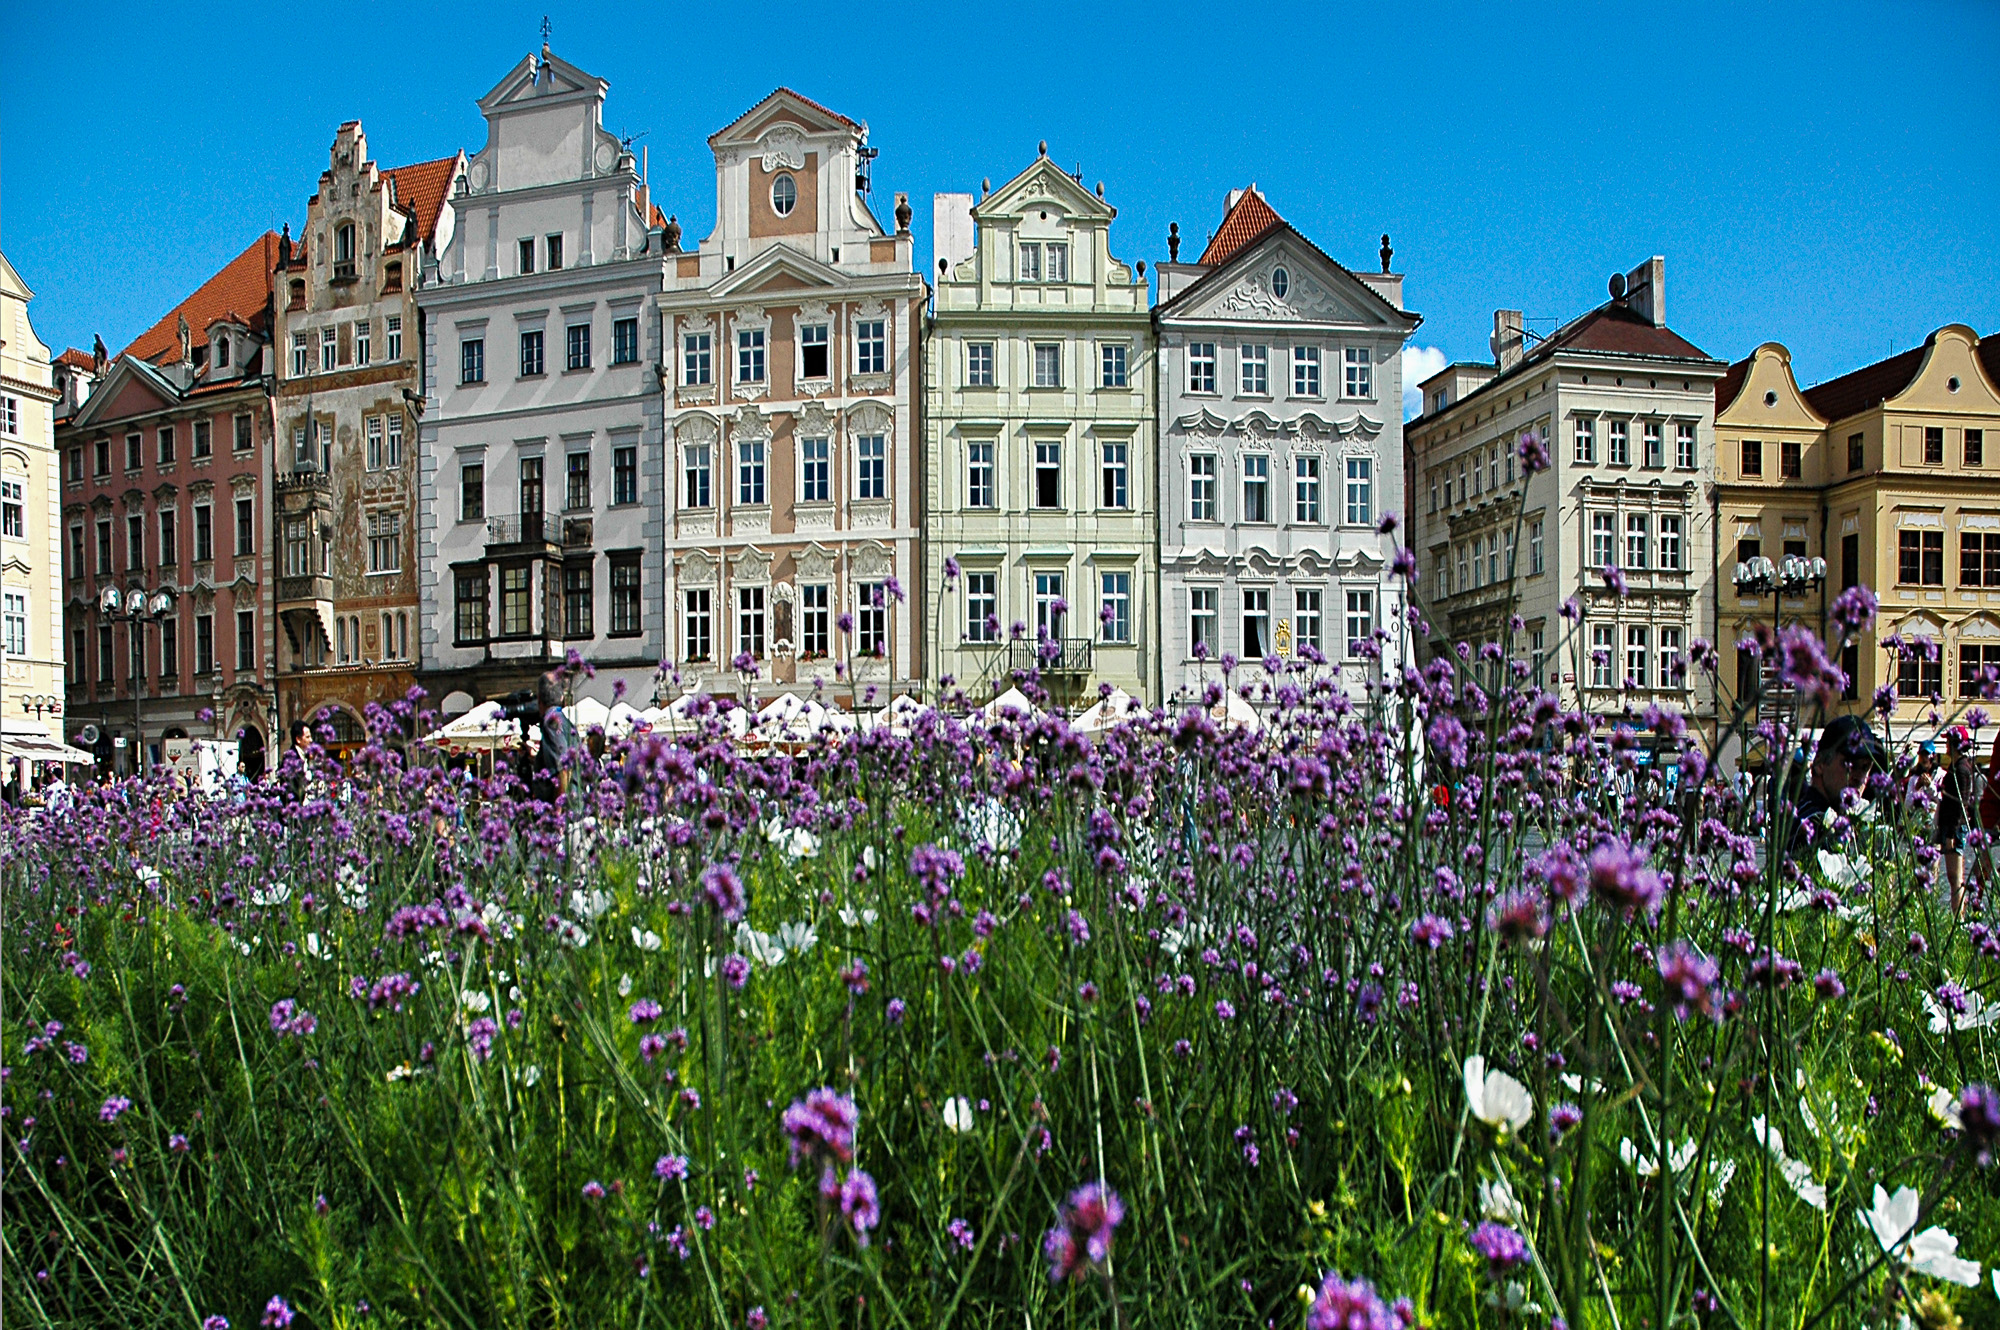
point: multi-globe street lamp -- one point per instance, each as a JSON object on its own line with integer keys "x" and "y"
{"x": 137, "y": 607}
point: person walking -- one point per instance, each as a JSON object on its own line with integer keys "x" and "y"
{"x": 1957, "y": 809}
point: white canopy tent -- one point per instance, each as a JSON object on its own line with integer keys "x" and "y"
{"x": 479, "y": 730}
{"x": 25, "y": 741}
{"x": 1235, "y": 712}
{"x": 1012, "y": 702}
{"x": 1106, "y": 713}
{"x": 623, "y": 720}
{"x": 587, "y": 713}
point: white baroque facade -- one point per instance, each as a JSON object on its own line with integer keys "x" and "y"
{"x": 540, "y": 488}
{"x": 793, "y": 341}
{"x": 1281, "y": 447}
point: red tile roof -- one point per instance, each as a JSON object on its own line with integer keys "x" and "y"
{"x": 659, "y": 219}
{"x": 422, "y": 188}
{"x": 76, "y": 359}
{"x": 242, "y": 290}
{"x": 1731, "y": 384}
{"x": 1249, "y": 219}
{"x": 799, "y": 97}
{"x": 1871, "y": 385}
{"x": 1614, "y": 329}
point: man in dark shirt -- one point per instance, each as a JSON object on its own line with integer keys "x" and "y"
{"x": 1957, "y": 809}
{"x": 1848, "y": 752}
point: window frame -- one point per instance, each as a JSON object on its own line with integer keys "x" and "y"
{"x": 1357, "y": 374}
{"x": 1256, "y": 501}
{"x": 471, "y": 360}
{"x": 1047, "y": 470}
{"x": 697, "y": 359}
{"x": 1201, "y": 368}
{"x": 534, "y": 348}
{"x": 871, "y": 346}
{"x": 1308, "y": 481}
{"x": 1115, "y": 591}
{"x": 981, "y": 474}
{"x": 1253, "y": 370}
{"x": 752, "y": 365}
{"x": 624, "y": 474}
{"x": 979, "y": 364}
{"x": 576, "y": 347}
{"x": 1360, "y": 491}
{"x": 1046, "y": 365}
{"x": 1359, "y": 605}
{"x": 625, "y": 340}
{"x": 1308, "y": 382}
{"x": 1114, "y": 369}
{"x": 1115, "y": 469}
{"x": 752, "y": 478}
{"x": 697, "y": 623}
{"x": 1201, "y": 487}
{"x": 871, "y": 467}
{"x": 815, "y": 470}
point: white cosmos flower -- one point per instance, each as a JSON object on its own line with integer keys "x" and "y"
{"x": 276, "y": 894}
{"x": 797, "y": 938}
{"x": 1944, "y": 1108}
{"x": 1496, "y": 1201}
{"x": 1932, "y": 1252}
{"x": 1976, "y": 1016}
{"x": 1497, "y": 1099}
{"x": 475, "y": 1000}
{"x": 645, "y": 939}
{"x": 1796, "y": 1174}
{"x": 792, "y": 842}
{"x": 624, "y": 985}
{"x": 531, "y": 1075}
{"x": 402, "y": 1071}
{"x": 313, "y": 947}
{"x": 857, "y": 918}
{"x": 590, "y": 905}
{"x": 958, "y": 1114}
{"x": 1678, "y": 1158}
{"x": 1839, "y": 872}
{"x": 868, "y": 857}
{"x": 759, "y": 947}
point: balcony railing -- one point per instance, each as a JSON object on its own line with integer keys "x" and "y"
{"x": 1058, "y": 655}
{"x": 522, "y": 529}
{"x": 304, "y": 482}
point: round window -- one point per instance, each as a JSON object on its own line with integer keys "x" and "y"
{"x": 784, "y": 195}
{"x": 1281, "y": 282}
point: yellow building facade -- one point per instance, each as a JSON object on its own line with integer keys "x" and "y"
{"x": 1890, "y": 473}
{"x": 31, "y": 637}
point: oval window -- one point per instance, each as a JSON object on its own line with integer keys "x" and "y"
{"x": 1281, "y": 282}
{"x": 784, "y": 195}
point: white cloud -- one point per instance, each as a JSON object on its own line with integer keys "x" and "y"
{"x": 1419, "y": 363}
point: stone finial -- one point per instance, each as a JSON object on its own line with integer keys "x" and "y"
{"x": 1042, "y": 149}
{"x": 985, "y": 186}
{"x": 1387, "y": 252}
{"x": 1100, "y": 189}
{"x": 671, "y": 235}
{"x": 903, "y": 213}
{"x": 1173, "y": 242}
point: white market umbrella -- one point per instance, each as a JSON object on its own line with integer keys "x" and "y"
{"x": 1014, "y": 701}
{"x": 587, "y": 713}
{"x": 1235, "y": 712}
{"x": 478, "y": 730}
{"x": 1106, "y": 713}
{"x": 623, "y": 720}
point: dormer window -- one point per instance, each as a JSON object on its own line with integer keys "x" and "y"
{"x": 343, "y": 251}
{"x": 784, "y": 195}
{"x": 222, "y": 351}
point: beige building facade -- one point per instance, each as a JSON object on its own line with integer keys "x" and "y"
{"x": 31, "y": 607}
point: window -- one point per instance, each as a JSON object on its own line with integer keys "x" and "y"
{"x": 372, "y": 431}
{"x": 361, "y": 340}
{"x": 472, "y": 360}
{"x": 246, "y": 641}
{"x": 471, "y": 491}
{"x": 1603, "y": 540}
{"x": 73, "y": 464}
{"x": 979, "y": 475}
{"x": 17, "y": 623}
{"x": 750, "y": 621}
{"x": 1636, "y": 540}
{"x": 76, "y": 564}
{"x": 982, "y": 607}
{"x": 1538, "y": 642}
{"x": 385, "y": 541}
{"x": 1655, "y": 446}
{"x": 204, "y": 644}
{"x": 1791, "y": 459}
{"x": 1204, "y": 620}
{"x": 624, "y": 475}
{"x": 1201, "y": 487}
{"x": 301, "y": 355}
{"x": 244, "y": 437}
{"x": 979, "y": 364}
{"x": 1670, "y": 544}
{"x": 1603, "y": 641}
{"x": 1048, "y": 365}
{"x": 698, "y": 625}
{"x": 625, "y": 341}
{"x": 1307, "y": 606}
{"x": 1305, "y": 371}
{"x": 1360, "y": 491}
{"x": 246, "y": 526}
{"x": 1055, "y": 261}
{"x": 1281, "y": 282}
{"x": 469, "y": 607}
{"x": 1253, "y": 366}
{"x": 298, "y": 547}
{"x": 1305, "y": 498}
{"x": 576, "y": 351}
{"x": 1256, "y": 487}
{"x": 813, "y": 362}
{"x": 134, "y": 452}
{"x": 1050, "y": 606}
{"x": 1974, "y": 662}
{"x": 13, "y": 509}
{"x": 1934, "y": 445}
{"x": 815, "y": 471}
{"x": 1978, "y": 558}
{"x": 1923, "y": 677}
{"x": 516, "y": 605}
{"x": 872, "y": 466}
{"x": 103, "y": 545}
{"x": 1116, "y": 489}
{"x": 1920, "y": 558}
{"x": 750, "y": 471}
{"x": 1586, "y": 440}
{"x": 1856, "y": 453}
{"x": 204, "y": 533}
{"x": 625, "y": 601}
{"x": 10, "y": 415}
{"x": 576, "y": 486}
{"x": 1360, "y": 619}
{"x": 166, "y": 445}
{"x": 393, "y": 458}
{"x": 697, "y": 472}
{"x": 1358, "y": 363}
{"x": 871, "y": 347}
{"x": 531, "y": 485}
{"x": 784, "y": 195}
{"x": 1975, "y": 447}
{"x": 750, "y": 355}
{"x": 392, "y": 336}
{"x": 1636, "y": 641}
{"x": 1030, "y": 262}
{"x": 329, "y": 349}
{"x": 871, "y": 619}
{"x": 1753, "y": 457}
{"x": 1256, "y": 624}
{"x": 554, "y": 247}
{"x": 1618, "y": 448}
{"x": 104, "y": 665}
{"x": 578, "y": 600}
{"x": 1535, "y": 564}
{"x": 1684, "y": 446}
{"x": 1493, "y": 468}
{"x": 1850, "y": 561}
{"x": 1201, "y": 367}
{"x": 696, "y": 354}
{"x": 815, "y": 611}
{"x": 531, "y": 353}
{"x": 1670, "y": 659}
{"x": 1117, "y": 600}
{"x": 1048, "y": 473}
{"x": 1111, "y": 365}
{"x": 101, "y": 462}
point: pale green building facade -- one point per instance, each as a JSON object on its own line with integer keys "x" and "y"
{"x": 1039, "y": 436}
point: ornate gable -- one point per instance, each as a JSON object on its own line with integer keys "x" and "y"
{"x": 1043, "y": 183}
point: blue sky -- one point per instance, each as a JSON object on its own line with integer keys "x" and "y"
{"x": 1823, "y": 175}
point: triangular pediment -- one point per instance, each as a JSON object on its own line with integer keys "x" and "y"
{"x": 537, "y": 80}
{"x": 787, "y": 109}
{"x": 778, "y": 268}
{"x": 131, "y": 387}
{"x": 1315, "y": 289}
{"x": 1043, "y": 184}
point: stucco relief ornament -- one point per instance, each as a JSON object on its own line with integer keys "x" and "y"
{"x": 784, "y": 147}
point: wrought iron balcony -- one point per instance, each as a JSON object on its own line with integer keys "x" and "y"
{"x": 513, "y": 530}
{"x": 1057, "y": 655}
{"x": 314, "y": 482}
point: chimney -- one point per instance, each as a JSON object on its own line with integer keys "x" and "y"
{"x": 1506, "y": 340}
{"x": 1646, "y": 291}
{"x": 951, "y": 229}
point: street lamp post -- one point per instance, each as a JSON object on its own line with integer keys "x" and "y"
{"x": 136, "y": 607}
